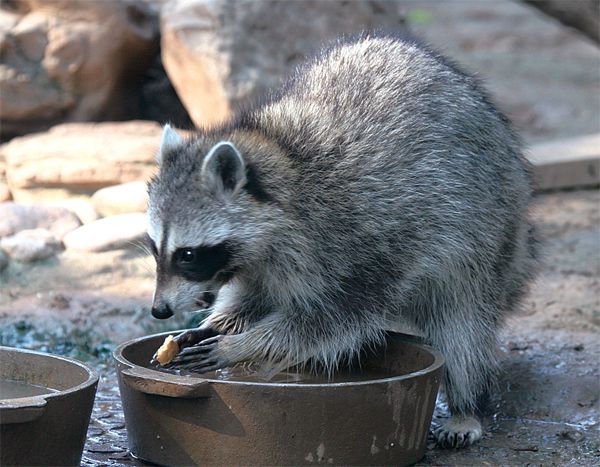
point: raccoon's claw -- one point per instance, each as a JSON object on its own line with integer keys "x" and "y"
{"x": 202, "y": 357}
{"x": 458, "y": 432}
{"x": 192, "y": 337}
{"x": 191, "y": 354}
{"x": 188, "y": 339}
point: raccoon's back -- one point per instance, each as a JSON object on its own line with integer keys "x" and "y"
{"x": 388, "y": 123}
{"x": 400, "y": 162}
{"x": 381, "y": 102}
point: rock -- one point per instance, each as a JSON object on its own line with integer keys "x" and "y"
{"x": 3, "y": 261}
{"x": 15, "y": 217}
{"x": 31, "y": 245}
{"x": 81, "y": 207}
{"x": 159, "y": 101}
{"x": 221, "y": 54}
{"x": 4, "y": 191}
{"x": 80, "y": 158}
{"x": 583, "y": 15}
{"x": 73, "y": 60}
{"x": 121, "y": 199}
{"x": 566, "y": 163}
{"x": 109, "y": 233}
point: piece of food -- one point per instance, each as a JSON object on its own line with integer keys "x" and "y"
{"x": 167, "y": 351}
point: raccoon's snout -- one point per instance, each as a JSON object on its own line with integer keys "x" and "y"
{"x": 163, "y": 312}
{"x": 205, "y": 300}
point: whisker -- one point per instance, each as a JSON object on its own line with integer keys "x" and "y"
{"x": 202, "y": 310}
{"x": 140, "y": 246}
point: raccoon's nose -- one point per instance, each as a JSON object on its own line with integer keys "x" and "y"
{"x": 162, "y": 313}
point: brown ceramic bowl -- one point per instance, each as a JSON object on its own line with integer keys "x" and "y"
{"x": 47, "y": 429}
{"x": 203, "y": 420}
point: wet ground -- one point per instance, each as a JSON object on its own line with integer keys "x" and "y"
{"x": 546, "y": 410}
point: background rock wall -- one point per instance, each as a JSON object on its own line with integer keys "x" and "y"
{"x": 222, "y": 54}
{"x": 72, "y": 60}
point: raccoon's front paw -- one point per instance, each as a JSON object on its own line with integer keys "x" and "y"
{"x": 188, "y": 338}
{"x": 208, "y": 355}
{"x": 194, "y": 336}
{"x": 458, "y": 432}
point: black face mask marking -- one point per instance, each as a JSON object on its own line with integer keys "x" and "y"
{"x": 202, "y": 263}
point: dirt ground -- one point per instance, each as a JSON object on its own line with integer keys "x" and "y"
{"x": 546, "y": 410}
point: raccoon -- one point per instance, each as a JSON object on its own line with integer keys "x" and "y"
{"x": 379, "y": 186}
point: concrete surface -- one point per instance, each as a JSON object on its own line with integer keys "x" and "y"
{"x": 544, "y": 75}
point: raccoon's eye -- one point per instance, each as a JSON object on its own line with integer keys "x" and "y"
{"x": 202, "y": 262}
{"x": 186, "y": 255}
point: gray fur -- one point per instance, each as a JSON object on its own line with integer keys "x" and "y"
{"x": 169, "y": 141}
{"x": 382, "y": 186}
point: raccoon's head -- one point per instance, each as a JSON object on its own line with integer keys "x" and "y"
{"x": 205, "y": 225}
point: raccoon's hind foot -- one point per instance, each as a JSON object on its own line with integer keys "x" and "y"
{"x": 458, "y": 432}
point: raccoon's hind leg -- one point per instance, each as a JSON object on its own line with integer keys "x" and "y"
{"x": 468, "y": 343}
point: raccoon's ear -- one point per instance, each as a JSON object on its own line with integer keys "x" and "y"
{"x": 224, "y": 170}
{"x": 169, "y": 141}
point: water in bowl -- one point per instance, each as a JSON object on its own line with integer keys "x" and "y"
{"x": 12, "y": 389}
{"x": 255, "y": 374}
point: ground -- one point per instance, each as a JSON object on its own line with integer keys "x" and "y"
{"x": 546, "y": 409}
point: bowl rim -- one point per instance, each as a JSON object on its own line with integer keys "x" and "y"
{"x": 93, "y": 376}
{"x": 436, "y": 364}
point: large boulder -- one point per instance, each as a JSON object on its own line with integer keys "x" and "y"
{"x": 72, "y": 60}
{"x": 583, "y": 15}
{"x": 80, "y": 158}
{"x": 220, "y": 54}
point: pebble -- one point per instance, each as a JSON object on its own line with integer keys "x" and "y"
{"x": 31, "y": 245}
{"x": 15, "y": 217}
{"x": 3, "y": 261}
{"x": 109, "y": 233}
{"x": 82, "y": 208}
{"x": 121, "y": 199}
{"x": 4, "y": 192}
